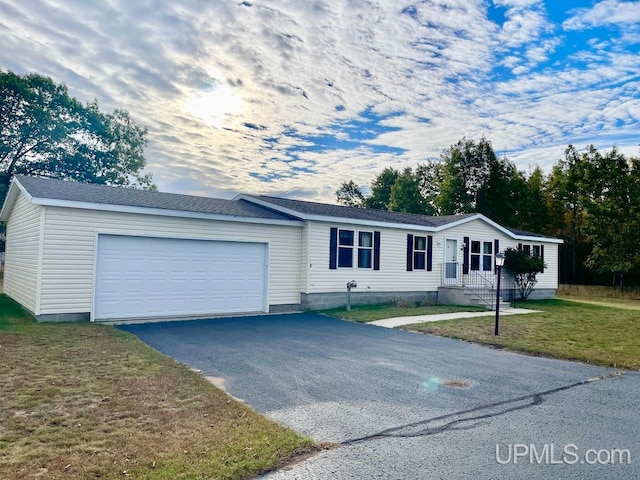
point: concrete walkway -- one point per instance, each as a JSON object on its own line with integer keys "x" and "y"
{"x": 399, "y": 321}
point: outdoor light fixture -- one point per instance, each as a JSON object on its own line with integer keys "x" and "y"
{"x": 499, "y": 264}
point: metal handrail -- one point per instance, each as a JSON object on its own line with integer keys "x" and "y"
{"x": 480, "y": 285}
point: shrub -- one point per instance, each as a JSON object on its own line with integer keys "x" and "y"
{"x": 426, "y": 302}
{"x": 524, "y": 269}
{"x": 401, "y": 302}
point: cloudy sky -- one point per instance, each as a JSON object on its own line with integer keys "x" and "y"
{"x": 292, "y": 97}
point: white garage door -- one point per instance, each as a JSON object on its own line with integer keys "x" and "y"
{"x": 159, "y": 277}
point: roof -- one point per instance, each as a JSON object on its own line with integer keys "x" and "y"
{"x": 88, "y": 193}
{"x": 367, "y": 216}
{"x": 370, "y": 214}
{"x": 244, "y": 208}
{"x": 524, "y": 233}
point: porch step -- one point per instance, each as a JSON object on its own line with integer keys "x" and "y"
{"x": 470, "y": 296}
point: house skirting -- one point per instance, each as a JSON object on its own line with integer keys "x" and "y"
{"x": 321, "y": 301}
{"x": 63, "y": 317}
{"x": 541, "y": 294}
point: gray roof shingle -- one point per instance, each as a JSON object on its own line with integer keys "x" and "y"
{"x": 324, "y": 209}
{"x": 102, "y": 194}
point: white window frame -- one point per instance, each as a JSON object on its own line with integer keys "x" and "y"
{"x": 341, "y": 246}
{"x": 370, "y": 249}
{"x": 477, "y": 254}
{"x": 484, "y": 256}
{"x": 418, "y": 251}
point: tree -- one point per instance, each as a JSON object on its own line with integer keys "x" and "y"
{"x": 611, "y": 198}
{"x": 350, "y": 194}
{"x": 429, "y": 177}
{"x": 46, "y": 132}
{"x": 475, "y": 180}
{"x": 380, "y": 197}
{"x": 405, "y": 194}
{"x": 524, "y": 268}
{"x": 565, "y": 187}
{"x": 534, "y": 208}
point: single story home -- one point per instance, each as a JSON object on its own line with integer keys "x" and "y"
{"x": 79, "y": 251}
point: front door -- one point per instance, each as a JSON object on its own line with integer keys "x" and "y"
{"x": 451, "y": 262}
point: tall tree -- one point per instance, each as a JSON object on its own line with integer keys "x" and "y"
{"x": 405, "y": 194}
{"x": 350, "y": 194}
{"x": 475, "y": 180}
{"x": 534, "y": 209}
{"x": 565, "y": 187}
{"x": 44, "y": 131}
{"x": 611, "y": 198}
{"x": 429, "y": 176}
{"x": 380, "y": 197}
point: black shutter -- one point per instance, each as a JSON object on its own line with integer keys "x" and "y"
{"x": 409, "y": 252}
{"x": 376, "y": 250}
{"x": 496, "y": 250}
{"x": 465, "y": 253}
{"x": 519, "y": 247}
{"x": 542, "y": 255}
{"x": 333, "y": 249}
{"x": 429, "y": 253}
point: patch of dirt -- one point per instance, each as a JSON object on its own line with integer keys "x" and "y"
{"x": 219, "y": 382}
{"x": 456, "y": 383}
{"x": 9, "y": 339}
{"x": 301, "y": 457}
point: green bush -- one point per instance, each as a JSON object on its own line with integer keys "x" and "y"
{"x": 524, "y": 268}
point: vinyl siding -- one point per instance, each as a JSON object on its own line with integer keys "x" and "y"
{"x": 22, "y": 253}
{"x": 69, "y": 251}
{"x": 393, "y": 275}
{"x": 304, "y": 258}
{"x": 479, "y": 230}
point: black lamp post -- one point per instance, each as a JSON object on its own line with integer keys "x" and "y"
{"x": 499, "y": 264}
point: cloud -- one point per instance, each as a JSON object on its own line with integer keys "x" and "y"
{"x": 287, "y": 97}
{"x": 607, "y": 12}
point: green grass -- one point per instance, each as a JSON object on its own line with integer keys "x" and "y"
{"x": 90, "y": 401}
{"x": 597, "y": 334}
{"x": 370, "y": 313}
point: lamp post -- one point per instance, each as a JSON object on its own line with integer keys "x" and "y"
{"x": 499, "y": 263}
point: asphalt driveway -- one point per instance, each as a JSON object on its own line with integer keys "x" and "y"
{"x": 403, "y": 405}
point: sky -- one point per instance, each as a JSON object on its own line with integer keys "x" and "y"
{"x": 294, "y": 97}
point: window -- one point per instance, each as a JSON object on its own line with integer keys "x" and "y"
{"x": 487, "y": 255}
{"x": 536, "y": 251}
{"x": 419, "y": 253}
{"x": 345, "y": 248}
{"x": 527, "y": 249}
{"x": 475, "y": 255}
{"x": 365, "y": 249}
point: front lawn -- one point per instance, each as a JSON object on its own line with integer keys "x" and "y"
{"x": 370, "y": 313}
{"x": 598, "y": 334}
{"x": 84, "y": 401}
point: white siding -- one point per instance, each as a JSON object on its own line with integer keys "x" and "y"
{"x": 22, "y": 253}
{"x": 304, "y": 259}
{"x": 69, "y": 251}
{"x": 393, "y": 275}
{"x": 479, "y": 230}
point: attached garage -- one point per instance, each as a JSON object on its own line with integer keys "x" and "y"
{"x": 140, "y": 277}
{"x": 79, "y": 251}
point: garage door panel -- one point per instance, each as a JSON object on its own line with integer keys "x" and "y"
{"x": 144, "y": 277}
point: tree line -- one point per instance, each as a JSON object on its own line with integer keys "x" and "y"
{"x": 590, "y": 199}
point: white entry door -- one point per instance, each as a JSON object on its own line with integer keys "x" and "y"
{"x": 139, "y": 277}
{"x": 451, "y": 262}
